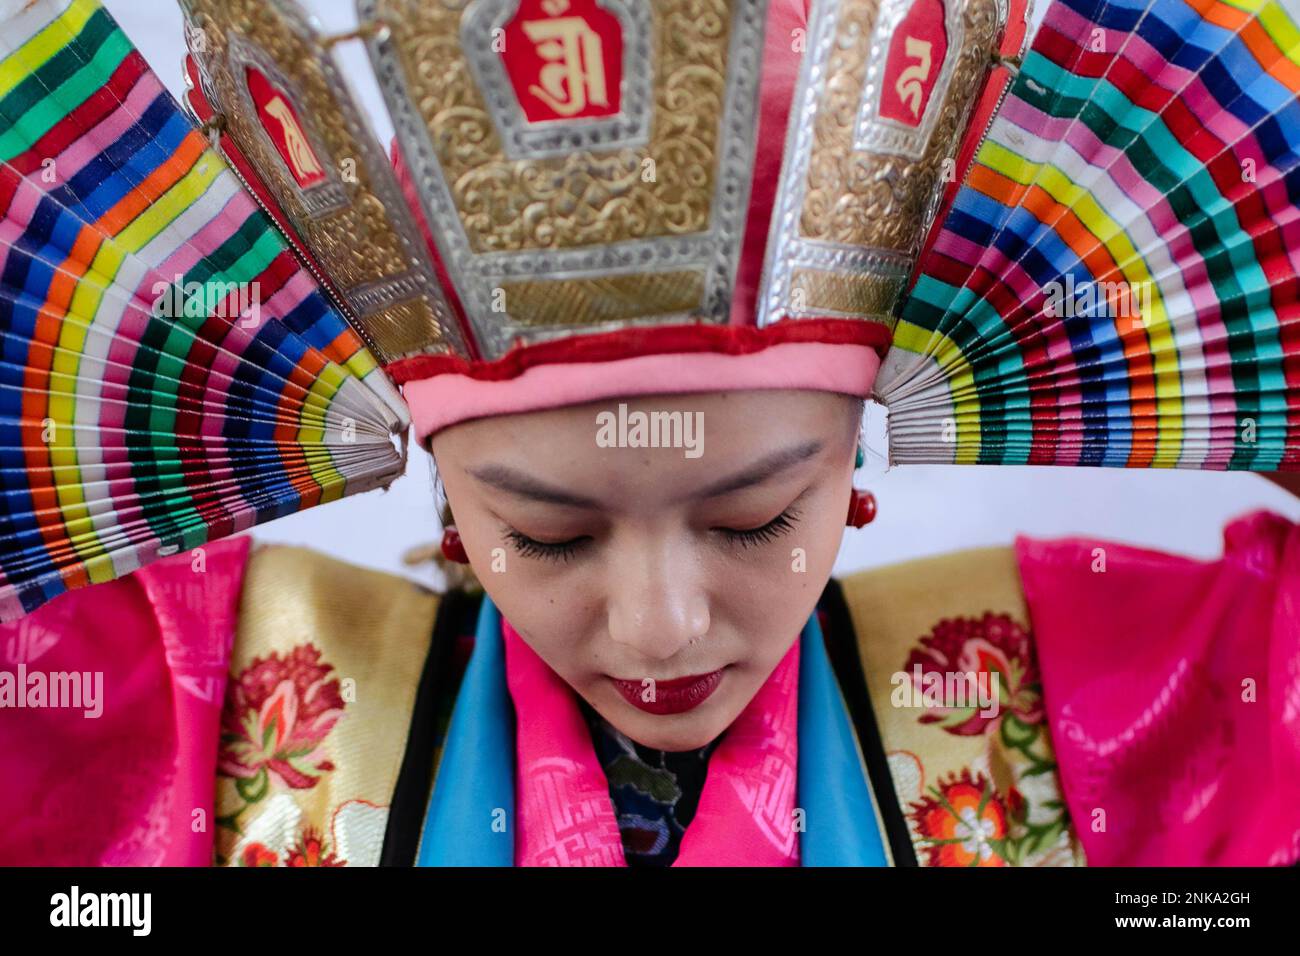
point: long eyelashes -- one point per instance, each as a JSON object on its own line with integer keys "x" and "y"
{"x": 566, "y": 550}
{"x": 531, "y": 548}
{"x": 752, "y": 537}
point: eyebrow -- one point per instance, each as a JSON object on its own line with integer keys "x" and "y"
{"x": 763, "y": 470}
{"x": 507, "y": 479}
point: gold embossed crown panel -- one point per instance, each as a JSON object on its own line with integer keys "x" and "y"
{"x": 885, "y": 94}
{"x": 584, "y": 165}
{"x": 268, "y": 73}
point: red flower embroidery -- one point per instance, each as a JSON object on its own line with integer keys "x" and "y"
{"x": 258, "y": 854}
{"x": 310, "y": 850}
{"x": 277, "y": 714}
{"x": 962, "y": 823}
{"x": 1017, "y": 807}
{"x": 987, "y": 648}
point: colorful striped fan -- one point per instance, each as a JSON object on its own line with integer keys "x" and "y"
{"x": 1115, "y": 282}
{"x": 170, "y": 374}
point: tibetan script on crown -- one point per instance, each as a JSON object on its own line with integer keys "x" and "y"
{"x": 284, "y": 126}
{"x": 564, "y": 59}
{"x": 280, "y": 121}
{"x": 562, "y": 75}
{"x": 914, "y": 48}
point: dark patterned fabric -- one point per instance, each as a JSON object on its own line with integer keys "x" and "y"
{"x": 654, "y": 792}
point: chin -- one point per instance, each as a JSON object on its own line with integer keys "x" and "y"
{"x": 671, "y": 740}
{"x": 677, "y": 732}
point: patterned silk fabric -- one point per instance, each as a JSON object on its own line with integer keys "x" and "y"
{"x": 971, "y": 786}
{"x": 655, "y": 792}
{"x": 323, "y": 681}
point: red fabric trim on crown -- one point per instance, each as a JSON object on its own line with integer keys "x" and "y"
{"x": 653, "y": 340}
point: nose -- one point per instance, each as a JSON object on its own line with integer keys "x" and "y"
{"x": 658, "y": 602}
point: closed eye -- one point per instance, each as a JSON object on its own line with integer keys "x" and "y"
{"x": 548, "y": 550}
{"x": 751, "y": 537}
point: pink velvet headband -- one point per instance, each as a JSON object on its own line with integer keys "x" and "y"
{"x": 449, "y": 398}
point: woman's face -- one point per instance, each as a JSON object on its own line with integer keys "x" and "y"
{"x": 664, "y": 584}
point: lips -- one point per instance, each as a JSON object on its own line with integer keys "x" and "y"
{"x": 670, "y": 696}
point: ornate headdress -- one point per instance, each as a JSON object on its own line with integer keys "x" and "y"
{"x": 606, "y": 198}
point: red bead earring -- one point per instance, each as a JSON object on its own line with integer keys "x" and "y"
{"x": 862, "y": 504}
{"x": 862, "y": 508}
{"x": 452, "y": 548}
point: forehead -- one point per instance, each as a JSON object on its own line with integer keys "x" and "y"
{"x": 739, "y": 420}
{"x": 669, "y": 443}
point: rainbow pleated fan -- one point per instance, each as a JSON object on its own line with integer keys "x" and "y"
{"x": 1115, "y": 281}
{"x": 170, "y": 372}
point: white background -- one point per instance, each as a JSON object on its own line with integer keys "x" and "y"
{"x": 923, "y": 510}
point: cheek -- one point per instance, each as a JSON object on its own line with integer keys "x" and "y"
{"x": 799, "y": 560}
{"x": 555, "y": 621}
{"x": 768, "y": 601}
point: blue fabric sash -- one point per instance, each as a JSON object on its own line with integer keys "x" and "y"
{"x": 471, "y": 813}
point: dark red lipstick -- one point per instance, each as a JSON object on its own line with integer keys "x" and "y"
{"x": 670, "y": 696}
